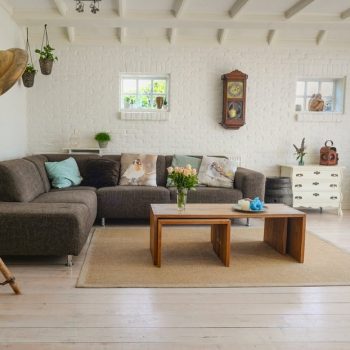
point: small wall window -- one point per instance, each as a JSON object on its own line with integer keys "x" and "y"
{"x": 144, "y": 92}
{"x": 331, "y": 91}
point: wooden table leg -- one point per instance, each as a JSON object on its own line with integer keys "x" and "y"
{"x": 155, "y": 240}
{"x": 286, "y": 235}
{"x": 296, "y": 238}
{"x": 221, "y": 241}
{"x": 275, "y": 233}
{"x": 9, "y": 277}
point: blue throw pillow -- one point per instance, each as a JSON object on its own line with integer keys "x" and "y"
{"x": 63, "y": 174}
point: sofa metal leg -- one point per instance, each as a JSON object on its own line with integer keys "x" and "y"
{"x": 69, "y": 262}
{"x": 103, "y": 222}
{"x": 247, "y": 222}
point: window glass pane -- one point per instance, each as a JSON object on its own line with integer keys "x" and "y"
{"x": 328, "y": 105}
{"x": 327, "y": 88}
{"x": 299, "y": 104}
{"x": 129, "y": 86}
{"x": 129, "y": 101}
{"x": 312, "y": 88}
{"x": 146, "y": 101}
{"x": 145, "y": 86}
{"x": 300, "y": 88}
{"x": 159, "y": 86}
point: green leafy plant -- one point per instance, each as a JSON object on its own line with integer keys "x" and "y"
{"x": 30, "y": 69}
{"x": 102, "y": 137}
{"x": 183, "y": 177}
{"x": 47, "y": 53}
{"x": 300, "y": 152}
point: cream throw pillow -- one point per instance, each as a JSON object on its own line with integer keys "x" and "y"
{"x": 217, "y": 172}
{"x": 138, "y": 170}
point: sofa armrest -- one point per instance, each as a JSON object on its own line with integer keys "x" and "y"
{"x": 250, "y": 182}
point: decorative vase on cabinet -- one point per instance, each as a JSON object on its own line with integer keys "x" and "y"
{"x": 315, "y": 186}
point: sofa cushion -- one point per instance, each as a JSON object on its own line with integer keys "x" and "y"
{"x": 64, "y": 173}
{"x": 210, "y": 195}
{"x": 39, "y": 161}
{"x": 74, "y": 188}
{"x": 20, "y": 181}
{"x": 129, "y": 201}
{"x": 84, "y": 197}
{"x": 101, "y": 173}
{"x": 217, "y": 172}
{"x": 81, "y": 159}
{"x": 138, "y": 170}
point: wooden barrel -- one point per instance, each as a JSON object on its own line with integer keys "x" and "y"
{"x": 279, "y": 190}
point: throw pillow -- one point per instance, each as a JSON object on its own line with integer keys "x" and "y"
{"x": 182, "y": 161}
{"x": 63, "y": 174}
{"x": 101, "y": 173}
{"x": 217, "y": 172}
{"x": 138, "y": 170}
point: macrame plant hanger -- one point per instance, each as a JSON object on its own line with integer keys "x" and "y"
{"x": 29, "y": 74}
{"x": 45, "y": 63}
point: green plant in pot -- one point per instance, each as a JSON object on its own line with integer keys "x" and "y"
{"x": 46, "y": 59}
{"x": 103, "y": 138}
{"x": 29, "y": 75}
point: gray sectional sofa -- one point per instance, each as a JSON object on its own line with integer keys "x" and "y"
{"x": 36, "y": 219}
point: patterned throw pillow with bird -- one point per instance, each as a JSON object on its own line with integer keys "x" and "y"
{"x": 138, "y": 170}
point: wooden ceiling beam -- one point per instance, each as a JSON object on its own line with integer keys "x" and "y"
{"x": 271, "y": 35}
{"x": 172, "y": 35}
{"x": 222, "y": 35}
{"x": 296, "y": 8}
{"x": 179, "y": 7}
{"x": 236, "y": 7}
{"x": 71, "y": 34}
{"x": 345, "y": 14}
{"x": 122, "y": 34}
{"x": 321, "y": 36}
{"x": 62, "y": 7}
{"x": 121, "y": 7}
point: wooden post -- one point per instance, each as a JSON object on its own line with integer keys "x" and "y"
{"x": 8, "y": 277}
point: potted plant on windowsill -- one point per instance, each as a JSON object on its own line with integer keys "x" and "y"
{"x": 103, "y": 138}
{"x": 28, "y": 76}
{"x": 46, "y": 59}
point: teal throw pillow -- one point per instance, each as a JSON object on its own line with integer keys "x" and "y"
{"x": 63, "y": 174}
{"x": 182, "y": 161}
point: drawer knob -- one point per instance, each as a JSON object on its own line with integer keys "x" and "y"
{"x": 316, "y": 183}
{"x": 298, "y": 197}
{"x": 333, "y": 185}
{"x": 317, "y": 173}
{"x": 299, "y": 175}
{"x": 334, "y": 197}
{"x": 298, "y": 185}
{"x": 334, "y": 175}
{"x": 316, "y": 194}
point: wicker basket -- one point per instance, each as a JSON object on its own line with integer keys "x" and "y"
{"x": 45, "y": 66}
{"x": 28, "y": 79}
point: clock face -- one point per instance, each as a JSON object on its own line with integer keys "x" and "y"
{"x": 235, "y": 89}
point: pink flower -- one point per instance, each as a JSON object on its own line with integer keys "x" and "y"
{"x": 188, "y": 166}
{"x": 170, "y": 169}
{"x": 187, "y": 172}
{"x": 194, "y": 171}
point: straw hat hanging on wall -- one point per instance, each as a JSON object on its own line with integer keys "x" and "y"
{"x": 12, "y": 65}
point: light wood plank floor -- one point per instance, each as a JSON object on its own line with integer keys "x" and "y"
{"x": 52, "y": 314}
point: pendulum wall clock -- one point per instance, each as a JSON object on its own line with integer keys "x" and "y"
{"x": 234, "y": 99}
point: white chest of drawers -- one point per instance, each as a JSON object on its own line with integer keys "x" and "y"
{"x": 315, "y": 186}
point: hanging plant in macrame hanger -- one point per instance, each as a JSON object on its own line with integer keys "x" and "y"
{"x": 29, "y": 73}
{"x": 46, "y": 54}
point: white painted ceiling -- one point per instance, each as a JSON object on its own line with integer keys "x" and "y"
{"x": 176, "y": 22}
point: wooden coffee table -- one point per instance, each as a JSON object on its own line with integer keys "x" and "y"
{"x": 284, "y": 227}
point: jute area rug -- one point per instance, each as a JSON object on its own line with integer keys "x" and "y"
{"x": 120, "y": 257}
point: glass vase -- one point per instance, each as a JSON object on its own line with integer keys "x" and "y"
{"x": 181, "y": 196}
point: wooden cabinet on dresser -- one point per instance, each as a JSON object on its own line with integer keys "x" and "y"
{"x": 315, "y": 186}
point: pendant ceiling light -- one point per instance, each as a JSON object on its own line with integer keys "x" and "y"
{"x": 94, "y": 5}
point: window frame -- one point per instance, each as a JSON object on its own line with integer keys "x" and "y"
{"x": 337, "y": 97}
{"x": 138, "y": 94}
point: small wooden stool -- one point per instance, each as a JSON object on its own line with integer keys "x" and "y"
{"x": 9, "y": 279}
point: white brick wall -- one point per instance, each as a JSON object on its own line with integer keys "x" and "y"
{"x": 83, "y": 93}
